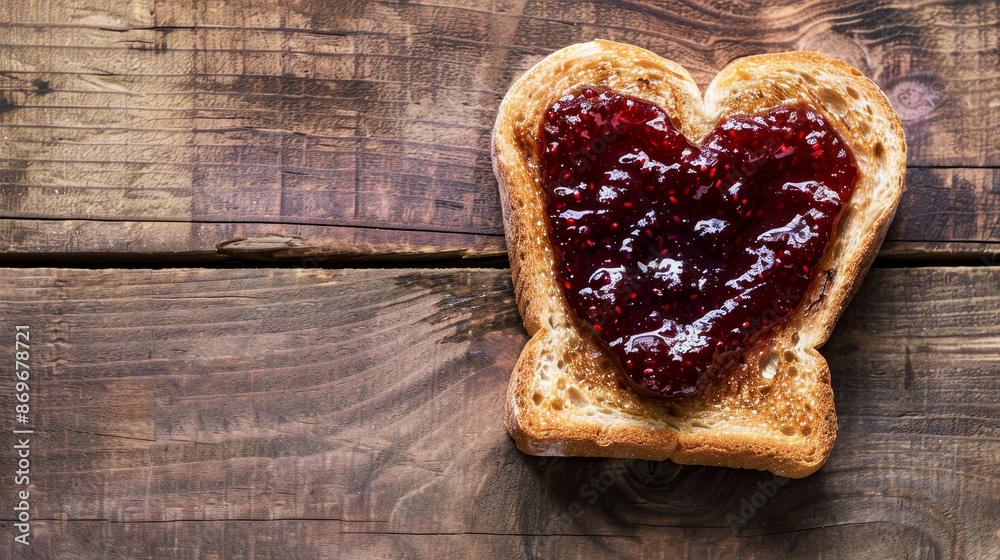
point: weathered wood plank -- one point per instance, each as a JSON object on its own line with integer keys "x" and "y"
{"x": 949, "y": 205}
{"x": 330, "y": 539}
{"x": 377, "y": 114}
{"x": 69, "y": 242}
{"x": 946, "y": 215}
{"x": 301, "y": 413}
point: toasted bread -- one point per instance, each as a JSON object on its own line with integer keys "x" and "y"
{"x": 773, "y": 409}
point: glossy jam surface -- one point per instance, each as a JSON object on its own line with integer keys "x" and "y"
{"x": 678, "y": 255}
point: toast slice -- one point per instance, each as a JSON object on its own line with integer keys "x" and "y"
{"x": 776, "y": 411}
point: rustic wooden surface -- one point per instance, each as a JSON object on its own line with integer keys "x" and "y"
{"x": 129, "y": 125}
{"x": 321, "y": 410}
{"x": 187, "y": 413}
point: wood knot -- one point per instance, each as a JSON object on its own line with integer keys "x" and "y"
{"x": 265, "y": 246}
{"x": 913, "y": 100}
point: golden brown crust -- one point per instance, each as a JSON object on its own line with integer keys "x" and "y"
{"x": 775, "y": 410}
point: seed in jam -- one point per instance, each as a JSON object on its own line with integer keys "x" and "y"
{"x": 680, "y": 255}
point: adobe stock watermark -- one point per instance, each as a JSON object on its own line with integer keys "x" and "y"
{"x": 22, "y": 446}
{"x": 589, "y": 493}
{"x": 754, "y": 500}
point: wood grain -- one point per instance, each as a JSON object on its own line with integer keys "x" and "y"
{"x": 95, "y": 242}
{"x": 293, "y": 413}
{"x": 377, "y": 114}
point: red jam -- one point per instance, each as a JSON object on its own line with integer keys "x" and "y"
{"x": 680, "y": 256}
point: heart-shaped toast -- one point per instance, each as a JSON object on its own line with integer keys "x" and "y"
{"x": 666, "y": 246}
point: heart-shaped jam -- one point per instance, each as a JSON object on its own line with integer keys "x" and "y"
{"x": 679, "y": 255}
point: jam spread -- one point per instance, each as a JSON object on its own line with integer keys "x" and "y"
{"x": 679, "y": 255}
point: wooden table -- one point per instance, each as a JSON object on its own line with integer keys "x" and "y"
{"x": 259, "y": 249}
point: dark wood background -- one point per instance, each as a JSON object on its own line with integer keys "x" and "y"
{"x": 260, "y": 250}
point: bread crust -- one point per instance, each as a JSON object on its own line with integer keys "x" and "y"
{"x": 774, "y": 408}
